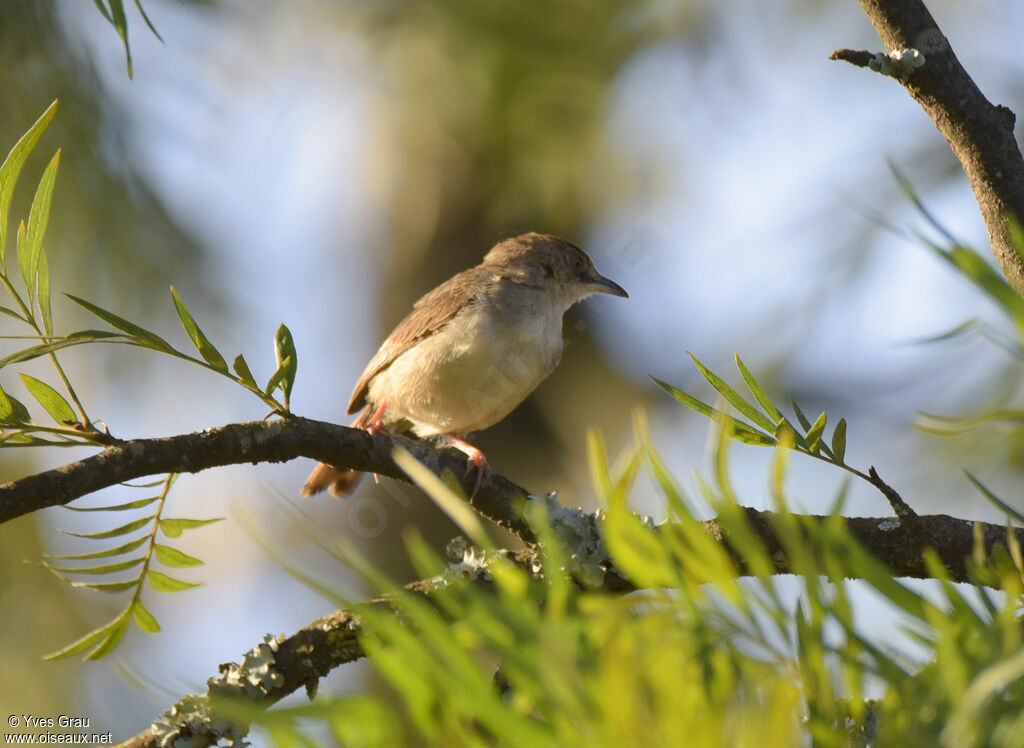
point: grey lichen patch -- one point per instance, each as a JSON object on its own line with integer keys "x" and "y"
{"x": 192, "y": 722}
{"x": 888, "y": 525}
{"x": 465, "y": 561}
{"x": 580, "y": 534}
{"x": 256, "y": 677}
{"x": 899, "y": 63}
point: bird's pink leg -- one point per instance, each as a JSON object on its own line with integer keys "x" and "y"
{"x": 375, "y": 425}
{"x": 477, "y": 460}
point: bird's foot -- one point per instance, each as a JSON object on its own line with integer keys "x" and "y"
{"x": 477, "y": 461}
{"x": 375, "y": 423}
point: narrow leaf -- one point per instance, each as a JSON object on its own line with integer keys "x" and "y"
{"x": 23, "y": 253}
{"x": 758, "y": 392}
{"x": 163, "y": 583}
{"x": 742, "y": 431}
{"x": 839, "y": 441}
{"x": 733, "y": 397}
{"x": 244, "y": 373}
{"x": 815, "y": 431}
{"x": 11, "y": 168}
{"x": 142, "y": 12}
{"x": 173, "y": 528}
{"x": 12, "y": 411}
{"x": 114, "y": 507}
{"x": 11, "y": 313}
{"x": 144, "y": 619}
{"x": 51, "y": 400}
{"x": 804, "y": 423}
{"x": 43, "y": 283}
{"x": 150, "y": 340}
{"x": 122, "y": 530}
{"x": 108, "y": 587}
{"x": 38, "y": 219}
{"x": 172, "y": 557}
{"x": 206, "y": 349}
{"x": 113, "y": 638}
{"x": 999, "y": 503}
{"x": 121, "y": 24}
{"x": 106, "y": 569}
{"x": 89, "y": 639}
{"x": 104, "y": 554}
{"x": 276, "y": 378}
{"x": 103, "y": 10}
{"x": 287, "y": 359}
{"x": 42, "y": 349}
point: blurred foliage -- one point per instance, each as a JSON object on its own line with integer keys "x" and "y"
{"x": 73, "y": 427}
{"x": 699, "y": 657}
{"x": 108, "y": 223}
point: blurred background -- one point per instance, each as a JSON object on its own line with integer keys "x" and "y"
{"x": 323, "y": 164}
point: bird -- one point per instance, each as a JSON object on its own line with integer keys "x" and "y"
{"x": 471, "y": 350}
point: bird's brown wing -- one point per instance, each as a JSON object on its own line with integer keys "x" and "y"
{"x": 430, "y": 314}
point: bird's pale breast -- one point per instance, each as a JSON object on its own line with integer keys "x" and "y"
{"x": 478, "y": 368}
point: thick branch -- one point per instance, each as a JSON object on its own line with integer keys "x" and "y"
{"x": 259, "y": 441}
{"x": 980, "y": 133}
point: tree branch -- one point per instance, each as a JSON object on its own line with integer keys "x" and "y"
{"x": 258, "y": 441}
{"x": 979, "y": 133}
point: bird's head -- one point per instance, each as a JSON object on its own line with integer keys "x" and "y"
{"x": 547, "y": 261}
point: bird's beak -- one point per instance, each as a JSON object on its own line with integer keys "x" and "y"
{"x": 599, "y": 284}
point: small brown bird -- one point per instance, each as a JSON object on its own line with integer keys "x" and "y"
{"x": 472, "y": 349}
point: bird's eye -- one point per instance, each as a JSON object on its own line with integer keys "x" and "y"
{"x": 547, "y": 270}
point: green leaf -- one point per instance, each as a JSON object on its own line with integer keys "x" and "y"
{"x": 206, "y": 349}
{"x": 759, "y": 394}
{"x": 995, "y": 500}
{"x": 106, "y": 569}
{"x": 145, "y": 337}
{"x": 110, "y": 643}
{"x": 104, "y": 554}
{"x": 51, "y": 400}
{"x": 142, "y": 12}
{"x": 122, "y": 530}
{"x": 11, "y": 313}
{"x": 244, "y": 373}
{"x": 121, "y": 24}
{"x": 11, "y": 168}
{"x": 90, "y": 639}
{"x": 172, "y": 557}
{"x": 163, "y": 583}
{"x": 138, "y": 504}
{"x": 38, "y": 219}
{"x": 804, "y": 423}
{"x": 839, "y": 441}
{"x": 741, "y": 431}
{"x": 21, "y": 247}
{"x": 287, "y": 359}
{"x": 42, "y": 349}
{"x": 12, "y": 411}
{"x": 43, "y": 281}
{"x": 103, "y": 10}
{"x": 815, "y": 431}
{"x": 733, "y": 397}
{"x": 173, "y": 528}
{"x": 108, "y": 587}
{"x": 278, "y": 375}
{"x": 144, "y": 619}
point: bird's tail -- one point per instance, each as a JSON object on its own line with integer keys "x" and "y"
{"x": 340, "y": 482}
